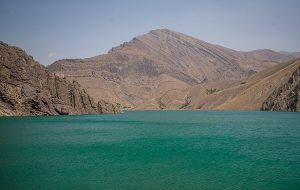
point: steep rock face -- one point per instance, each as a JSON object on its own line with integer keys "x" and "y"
{"x": 159, "y": 62}
{"x": 26, "y": 88}
{"x": 106, "y": 107}
{"x": 287, "y": 97}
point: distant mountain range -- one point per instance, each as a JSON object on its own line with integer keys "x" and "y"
{"x": 164, "y": 69}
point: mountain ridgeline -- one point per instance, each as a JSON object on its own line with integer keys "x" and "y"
{"x": 164, "y": 69}
{"x": 27, "y": 88}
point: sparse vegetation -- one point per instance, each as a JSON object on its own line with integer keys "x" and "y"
{"x": 211, "y": 91}
{"x": 187, "y": 102}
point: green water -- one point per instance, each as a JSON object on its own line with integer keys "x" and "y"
{"x": 152, "y": 150}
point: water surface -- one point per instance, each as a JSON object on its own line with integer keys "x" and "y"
{"x": 152, "y": 150}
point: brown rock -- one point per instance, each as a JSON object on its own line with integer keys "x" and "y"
{"x": 27, "y": 88}
{"x": 106, "y": 107}
{"x": 286, "y": 97}
{"x": 162, "y": 64}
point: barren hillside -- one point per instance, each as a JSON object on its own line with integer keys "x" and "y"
{"x": 159, "y": 64}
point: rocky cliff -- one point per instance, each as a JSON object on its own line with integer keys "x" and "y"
{"x": 27, "y": 88}
{"x": 286, "y": 97}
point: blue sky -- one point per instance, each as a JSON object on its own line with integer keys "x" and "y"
{"x": 56, "y": 29}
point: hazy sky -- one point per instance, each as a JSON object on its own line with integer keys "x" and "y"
{"x": 56, "y": 29}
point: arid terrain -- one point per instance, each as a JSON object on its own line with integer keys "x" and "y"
{"x": 27, "y": 88}
{"x": 159, "y": 70}
{"x": 164, "y": 69}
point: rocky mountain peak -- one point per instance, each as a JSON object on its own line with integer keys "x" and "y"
{"x": 144, "y": 67}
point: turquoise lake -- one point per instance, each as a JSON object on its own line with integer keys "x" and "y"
{"x": 152, "y": 150}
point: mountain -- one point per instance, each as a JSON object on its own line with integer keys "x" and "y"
{"x": 161, "y": 63}
{"x": 27, "y": 88}
{"x": 276, "y": 88}
{"x": 294, "y": 54}
{"x": 286, "y": 97}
